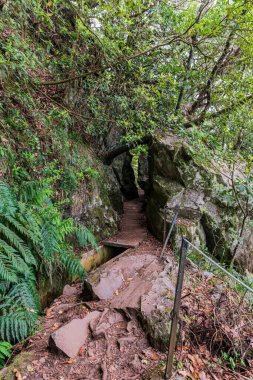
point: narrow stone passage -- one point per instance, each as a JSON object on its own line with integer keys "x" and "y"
{"x": 133, "y": 225}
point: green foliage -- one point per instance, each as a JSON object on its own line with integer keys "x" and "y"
{"x": 32, "y": 236}
{"x": 5, "y": 352}
{"x": 84, "y": 236}
{"x": 233, "y": 360}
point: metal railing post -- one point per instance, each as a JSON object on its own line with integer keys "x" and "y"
{"x": 176, "y": 307}
{"x": 170, "y": 231}
{"x": 164, "y": 223}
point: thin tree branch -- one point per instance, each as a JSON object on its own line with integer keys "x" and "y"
{"x": 218, "y": 113}
{"x": 182, "y": 89}
{"x": 205, "y": 92}
{"x": 73, "y": 112}
{"x": 120, "y": 60}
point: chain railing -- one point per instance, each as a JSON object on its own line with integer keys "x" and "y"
{"x": 185, "y": 244}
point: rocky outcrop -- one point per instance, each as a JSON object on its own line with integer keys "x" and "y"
{"x": 97, "y": 202}
{"x": 143, "y": 173}
{"x": 124, "y": 173}
{"x": 138, "y": 285}
{"x": 176, "y": 178}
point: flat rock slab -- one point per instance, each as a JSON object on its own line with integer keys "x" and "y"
{"x": 139, "y": 284}
{"x": 71, "y": 337}
{"x": 104, "y": 282}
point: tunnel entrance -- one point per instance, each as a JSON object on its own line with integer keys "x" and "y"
{"x": 124, "y": 172}
{"x": 131, "y": 171}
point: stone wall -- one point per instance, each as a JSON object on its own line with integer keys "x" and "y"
{"x": 98, "y": 202}
{"x": 176, "y": 179}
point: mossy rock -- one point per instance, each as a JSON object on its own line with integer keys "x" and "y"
{"x": 19, "y": 363}
{"x": 156, "y": 373}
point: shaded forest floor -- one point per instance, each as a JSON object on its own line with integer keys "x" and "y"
{"x": 211, "y": 328}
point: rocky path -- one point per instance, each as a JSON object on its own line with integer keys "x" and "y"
{"x": 102, "y": 338}
{"x": 115, "y": 324}
{"x": 133, "y": 228}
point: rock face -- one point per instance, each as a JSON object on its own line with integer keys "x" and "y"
{"x": 71, "y": 337}
{"x": 97, "y": 202}
{"x": 124, "y": 173}
{"x": 143, "y": 173}
{"x": 138, "y": 284}
{"x": 175, "y": 178}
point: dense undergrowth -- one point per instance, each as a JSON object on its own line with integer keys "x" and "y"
{"x": 71, "y": 73}
{"x": 42, "y": 164}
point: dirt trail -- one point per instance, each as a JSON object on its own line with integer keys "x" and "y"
{"x": 116, "y": 346}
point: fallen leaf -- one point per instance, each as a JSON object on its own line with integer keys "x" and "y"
{"x": 17, "y": 374}
{"x": 29, "y": 368}
{"x": 81, "y": 351}
{"x": 152, "y": 355}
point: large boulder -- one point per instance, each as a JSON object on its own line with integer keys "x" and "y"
{"x": 71, "y": 337}
{"x": 122, "y": 168}
{"x": 139, "y": 285}
{"x": 176, "y": 178}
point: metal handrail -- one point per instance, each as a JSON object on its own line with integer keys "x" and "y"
{"x": 177, "y": 300}
{"x": 219, "y": 266}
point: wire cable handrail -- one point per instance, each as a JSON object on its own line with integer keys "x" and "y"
{"x": 219, "y": 266}
{"x": 178, "y": 292}
{"x": 173, "y": 223}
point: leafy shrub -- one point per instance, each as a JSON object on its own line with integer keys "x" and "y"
{"x": 32, "y": 238}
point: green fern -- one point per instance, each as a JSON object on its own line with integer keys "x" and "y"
{"x": 85, "y": 236}
{"x": 71, "y": 264}
{"x": 8, "y": 201}
{"x": 5, "y": 352}
{"x": 32, "y": 235}
{"x": 18, "y": 324}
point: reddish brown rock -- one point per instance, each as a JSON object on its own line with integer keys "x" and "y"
{"x": 105, "y": 281}
{"x": 139, "y": 285}
{"x": 69, "y": 290}
{"x": 71, "y": 337}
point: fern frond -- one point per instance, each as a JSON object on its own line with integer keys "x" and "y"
{"x": 8, "y": 200}
{"x": 5, "y": 352}
{"x": 23, "y": 295}
{"x": 28, "y": 191}
{"x": 50, "y": 242}
{"x": 19, "y": 244}
{"x": 22, "y": 229}
{"x": 7, "y": 272}
{"x": 4, "y": 287}
{"x": 18, "y": 324}
{"x": 85, "y": 236}
{"x": 71, "y": 264}
{"x": 18, "y": 263}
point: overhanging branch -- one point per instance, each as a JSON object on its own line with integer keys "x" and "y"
{"x": 111, "y": 154}
{"x": 218, "y": 113}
